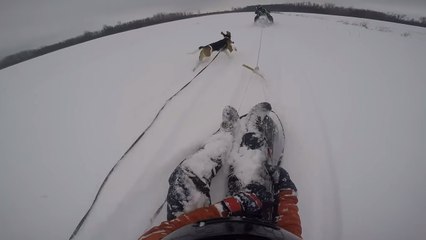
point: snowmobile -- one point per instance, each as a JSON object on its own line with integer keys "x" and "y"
{"x": 233, "y": 228}
{"x": 263, "y": 16}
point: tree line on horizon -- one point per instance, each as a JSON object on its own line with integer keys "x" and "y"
{"x": 307, "y": 7}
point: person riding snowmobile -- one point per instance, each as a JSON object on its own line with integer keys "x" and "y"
{"x": 259, "y": 189}
{"x": 261, "y": 11}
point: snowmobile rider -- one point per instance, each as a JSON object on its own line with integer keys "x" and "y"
{"x": 261, "y": 11}
{"x": 255, "y": 186}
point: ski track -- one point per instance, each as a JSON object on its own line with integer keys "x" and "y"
{"x": 326, "y": 193}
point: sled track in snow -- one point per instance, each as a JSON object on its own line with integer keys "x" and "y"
{"x": 80, "y": 224}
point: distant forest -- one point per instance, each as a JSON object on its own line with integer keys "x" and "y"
{"x": 329, "y": 9}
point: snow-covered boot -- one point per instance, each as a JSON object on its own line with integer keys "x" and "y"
{"x": 229, "y": 119}
{"x": 247, "y": 172}
{"x": 261, "y": 130}
{"x": 254, "y": 129}
{"x": 256, "y": 116}
{"x": 282, "y": 181}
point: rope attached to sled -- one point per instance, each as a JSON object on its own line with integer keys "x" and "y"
{"x": 80, "y": 224}
{"x": 260, "y": 46}
{"x": 282, "y": 129}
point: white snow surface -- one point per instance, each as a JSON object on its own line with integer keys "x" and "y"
{"x": 351, "y": 94}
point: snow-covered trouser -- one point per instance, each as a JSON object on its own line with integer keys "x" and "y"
{"x": 189, "y": 190}
{"x": 251, "y": 168}
{"x": 251, "y": 172}
{"x": 190, "y": 181}
{"x": 255, "y": 160}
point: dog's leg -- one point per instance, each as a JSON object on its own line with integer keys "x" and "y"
{"x": 200, "y": 59}
{"x": 204, "y": 53}
{"x": 196, "y": 66}
{"x": 201, "y": 56}
{"x": 227, "y": 52}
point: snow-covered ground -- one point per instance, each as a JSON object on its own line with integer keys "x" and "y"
{"x": 351, "y": 93}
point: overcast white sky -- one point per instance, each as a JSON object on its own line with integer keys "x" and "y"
{"x": 29, "y": 24}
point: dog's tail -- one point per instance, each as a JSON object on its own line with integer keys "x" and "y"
{"x": 196, "y": 50}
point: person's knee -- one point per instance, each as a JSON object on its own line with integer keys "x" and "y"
{"x": 282, "y": 180}
{"x": 260, "y": 191}
{"x": 252, "y": 140}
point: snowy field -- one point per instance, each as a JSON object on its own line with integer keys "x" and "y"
{"x": 351, "y": 93}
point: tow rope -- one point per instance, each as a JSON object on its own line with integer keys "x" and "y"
{"x": 80, "y": 224}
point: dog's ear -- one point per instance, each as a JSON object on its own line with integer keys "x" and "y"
{"x": 227, "y": 34}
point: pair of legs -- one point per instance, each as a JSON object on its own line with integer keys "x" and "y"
{"x": 247, "y": 144}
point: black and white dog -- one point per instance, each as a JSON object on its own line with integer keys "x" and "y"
{"x": 221, "y": 45}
